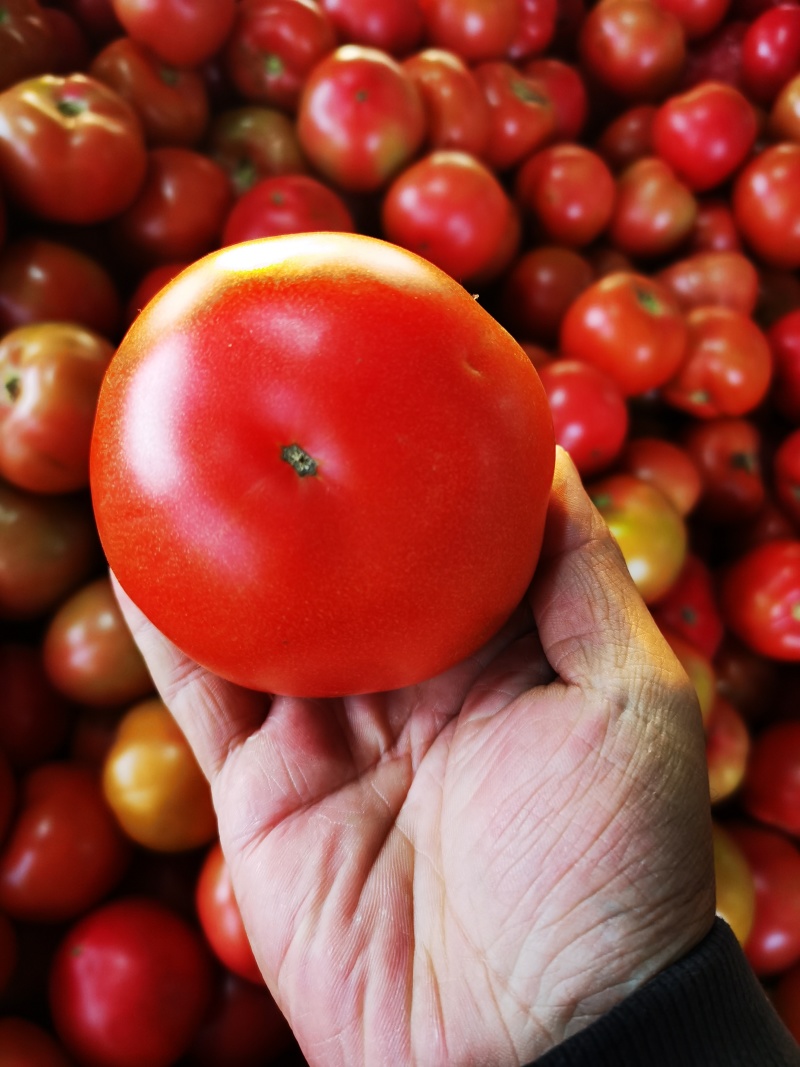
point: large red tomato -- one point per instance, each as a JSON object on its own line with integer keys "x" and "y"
{"x": 320, "y": 466}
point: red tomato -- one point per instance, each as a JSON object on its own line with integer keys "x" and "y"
{"x": 130, "y": 984}
{"x": 632, "y": 47}
{"x": 786, "y": 999}
{"x": 27, "y": 46}
{"x": 253, "y": 142}
{"x": 521, "y": 115}
{"x": 274, "y": 46}
{"x": 766, "y": 205}
{"x": 569, "y": 191}
{"x": 171, "y": 102}
{"x": 772, "y": 784}
{"x": 784, "y": 341}
{"x": 628, "y": 137}
{"x": 360, "y": 118}
{"x": 690, "y": 607}
{"x": 476, "y": 30}
{"x": 630, "y": 326}
{"x": 25, "y": 1044}
{"x": 564, "y": 86}
{"x": 727, "y": 749}
{"x": 244, "y": 1027}
{"x": 786, "y": 474}
{"x": 180, "y": 33}
{"x": 727, "y": 367}
{"x": 65, "y": 852}
{"x": 714, "y": 228}
{"x": 46, "y": 281}
{"x": 727, "y": 452}
{"x": 746, "y": 678}
{"x": 287, "y": 203}
{"x": 537, "y": 26}
{"x": 220, "y": 918}
{"x": 783, "y": 122}
{"x": 71, "y": 149}
{"x": 725, "y": 279}
{"x": 540, "y": 285}
{"x": 698, "y": 17}
{"x": 760, "y": 599}
{"x": 649, "y": 531}
{"x": 35, "y": 718}
{"x": 666, "y": 465}
{"x": 590, "y": 415}
{"x": 771, "y": 52}
{"x": 179, "y": 211}
{"x": 361, "y": 443}
{"x": 653, "y": 211}
{"x": 89, "y": 653}
{"x": 396, "y": 26}
{"x": 773, "y": 943}
{"x": 698, "y": 667}
{"x": 456, "y": 108}
{"x": 717, "y": 58}
{"x": 9, "y": 958}
{"x": 51, "y": 374}
{"x": 705, "y": 134}
{"x": 48, "y": 546}
{"x": 451, "y": 208}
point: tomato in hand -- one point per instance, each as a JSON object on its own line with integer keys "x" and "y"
{"x": 760, "y": 599}
{"x": 71, "y": 149}
{"x": 630, "y": 326}
{"x": 153, "y": 784}
{"x": 64, "y": 852}
{"x": 294, "y": 511}
{"x": 51, "y": 374}
{"x": 220, "y": 918}
{"x": 772, "y": 784}
{"x": 130, "y": 984}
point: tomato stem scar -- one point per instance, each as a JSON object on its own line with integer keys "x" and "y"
{"x": 298, "y": 458}
{"x": 13, "y": 387}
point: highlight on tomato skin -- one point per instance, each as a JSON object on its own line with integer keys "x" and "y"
{"x": 304, "y": 510}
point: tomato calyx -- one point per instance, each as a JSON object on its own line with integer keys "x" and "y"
{"x": 648, "y": 301}
{"x": 273, "y": 65}
{"x": 302, "y": 463}
{"x": 13, "y": 387}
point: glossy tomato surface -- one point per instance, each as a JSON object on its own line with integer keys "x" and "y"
{"x": 321, "y": 467}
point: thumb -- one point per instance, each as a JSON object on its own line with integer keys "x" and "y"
{"x": 594, "y": 626}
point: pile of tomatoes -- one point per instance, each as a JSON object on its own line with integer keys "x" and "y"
{"x": 617, "y": 182}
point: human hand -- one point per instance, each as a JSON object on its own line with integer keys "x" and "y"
{"x": 468, "y": 870}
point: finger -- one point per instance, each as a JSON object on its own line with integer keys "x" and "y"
{"x": 215, "y": 715}
{"x": 595, "y": 629}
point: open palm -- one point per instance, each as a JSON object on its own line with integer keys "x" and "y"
{"x": 467, "y": 871}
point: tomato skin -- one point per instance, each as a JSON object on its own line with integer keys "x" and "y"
{"x": 772, "y": 784}
{"x": 727, "y": 367}
{"x": 773, "y": 943}
{"x": 64, "y": 852}
{"x": 630, "y": 326}
{"x": 184, "y": 35}
{"x": 129, "y": 985}
{"x": 451, "y": 208}
{"x": 705, "y": 134}
{"x": 47, "y": 281}
{"x": 172, "y": 103}
{"x": 71, "y": 149}
{"x": 360, "y": 118}
{"x": 766, "y": 205}
{"x": 369, "y": 474}
{"x": 220, "y": 918}
{"x": 153, "y": 784}
{"x": 51, "y": 374}
{"x": 760, "y": 599}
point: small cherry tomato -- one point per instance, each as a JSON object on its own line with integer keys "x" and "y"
{"x": 456, "y": 108}
{"x": 653, "y": 210}
{"x": 182, "y": 34}
{"x": 727, "y": 452}
{"x": 396, "y": 26}
{"x": 153, "y": 784}
{"x": 287, "y": 203}
{"x": 724, "y": 279}
{"x": 220, "y": 918}
{"x": 539, "y": 287}
{"x": 760, "y": 599}
{"x": 476, "y": 30}
{"x": 130, "y": 984}
{"x": 698, "y": 17}
{"x": 564, "y": 86}
{"x": 666, "y": 465}
{"x": 771, "y": 52}
{"x": 522, "y": 118}
{"x": 766, "y": 205}
{"x": 690, "y": 607}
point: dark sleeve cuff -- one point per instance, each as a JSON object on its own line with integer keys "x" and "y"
{"x": 706, "y": 1010}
